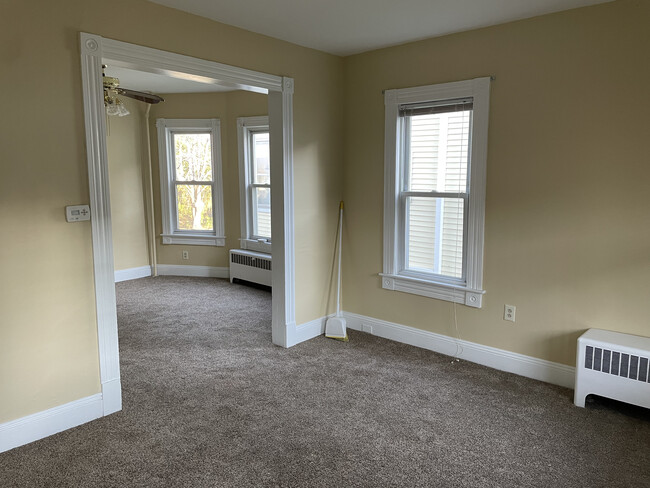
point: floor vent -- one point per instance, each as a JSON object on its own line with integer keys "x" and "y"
{"x": 250, "y": 266}
{"x": 613, "y": 365}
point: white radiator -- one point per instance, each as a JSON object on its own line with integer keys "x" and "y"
{"x": 250, "y": 266}
{"x": 613, "y": 365}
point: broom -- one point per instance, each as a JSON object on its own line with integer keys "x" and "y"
{"x": 335, "y": 326}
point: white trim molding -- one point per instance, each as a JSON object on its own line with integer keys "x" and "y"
{"x": 257, "y": 246}
{"x": 92, "y": 49}
{"x": 132, "y": 273}
{"x": 395, "y": 276}
{"x": 307, "y": 331}
{"x": 194, "y": 239}
{"x": 530, "y": 367}
{"x": 171, "y": 234}
{"x": 246, "y": 127}
{"x": 49, "y": 422}
{"x": 198, "y": 271}
{"x": 95, "y": 51}
{"x": 282, "y": 214}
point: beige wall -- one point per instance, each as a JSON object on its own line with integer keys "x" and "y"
{"x": 226, "y": 107}
{"x": 567, "y": 218}
{"x": 567, "y": 224}
{"x": 48, "y": 340}
{"x": 124, "y": 146}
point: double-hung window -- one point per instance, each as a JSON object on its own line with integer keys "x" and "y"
{"x": 434, "y": 196}
{"x": 255, "y": 183}
{"x": 190, "y": 181}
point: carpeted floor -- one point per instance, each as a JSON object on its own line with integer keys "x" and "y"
{"x": 209, "y": 401}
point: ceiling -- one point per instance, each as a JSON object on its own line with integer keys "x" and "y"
{"x": 159, "y": 84}
{"x": 345, "y": 27}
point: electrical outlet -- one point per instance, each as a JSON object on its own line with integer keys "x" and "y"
{"x": 509, "y": 312}
{"x": 366, "y": 328}
{"x": 186, "y": 255}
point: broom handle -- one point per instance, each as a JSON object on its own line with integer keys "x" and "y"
{"x": 338, "y": 286}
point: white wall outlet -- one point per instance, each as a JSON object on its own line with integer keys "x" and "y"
{"x": 186, "y": 255}
{"x": 366, "y": 328}
{"x": 509, "y": 312}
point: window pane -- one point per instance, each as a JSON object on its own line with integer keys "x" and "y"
{"x": 193, "y": 157}
{"x": 194, "y": 204}
{"x": 434, "y": 235}
{"x": 261, "y": 160}
{"x": 262, "y": 212}
{"x": 438, "y": 152}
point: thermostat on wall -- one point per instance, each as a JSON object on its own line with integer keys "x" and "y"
{"x": 75, "y": 213}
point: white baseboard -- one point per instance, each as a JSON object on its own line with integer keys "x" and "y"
{"x": 48, "y": 422}
{"x": 132, "y": 273}
{"x": 112, "y": 396}
{"x": 200, "y": 271}
{"x": 539, "y": 369}
{"x": 306, "y": 331}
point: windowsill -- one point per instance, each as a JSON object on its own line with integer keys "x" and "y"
{"x": 433, "y": 289}
{"x": 255, "y": 245}
{"x": 194, "y": 239}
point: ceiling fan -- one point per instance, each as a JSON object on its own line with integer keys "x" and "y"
{"x": 112, "y": 89}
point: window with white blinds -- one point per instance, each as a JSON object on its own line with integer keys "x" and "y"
{"x": 435, "y": 186}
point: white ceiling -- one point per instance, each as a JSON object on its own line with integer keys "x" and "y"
{"x": 346, "y": 27}
{"x": 159, "y": 84}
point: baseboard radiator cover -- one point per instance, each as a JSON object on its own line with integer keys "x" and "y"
{"x": 613, "y": 365}
{"x": 252, "y": 266}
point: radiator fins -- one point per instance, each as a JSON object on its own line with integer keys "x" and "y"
{"x": 251, "y": 261}
{"x": 617, "y": 363}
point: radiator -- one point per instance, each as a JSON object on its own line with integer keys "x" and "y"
{"x": 613, "y": 365}
{"x": 250, "y": 266}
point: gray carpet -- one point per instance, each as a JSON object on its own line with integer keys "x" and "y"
{"x": 209, "y": 401}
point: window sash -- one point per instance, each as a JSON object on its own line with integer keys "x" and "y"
{"x": 170, "y": 185}
{"x": 177, "y": 229}
{"x": 253, "y": 209}
{"x": 176, "y": 182}
{"x": 171, "y": 134}
{"x": 404, "y": 240}
{"x": 404, "y": 161}
{"x": 251, "y": 185}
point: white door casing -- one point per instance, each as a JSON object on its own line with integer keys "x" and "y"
{"x": 95, "y": 51}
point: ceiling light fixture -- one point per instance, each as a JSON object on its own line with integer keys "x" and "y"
{"x": 112, "y": 89}
{"x": 113, "y": 104}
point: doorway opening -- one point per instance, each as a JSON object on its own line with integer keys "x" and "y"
{"x": 96, "y": 51}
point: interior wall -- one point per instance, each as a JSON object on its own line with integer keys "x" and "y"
{"x": 225, "y": 106}
{"x": 567, "y": 214}
{"x": 48, "y": 336}
{"x": 124, "y": 146}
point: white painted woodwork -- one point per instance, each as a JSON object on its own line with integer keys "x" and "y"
{"x": 468, "y": 289}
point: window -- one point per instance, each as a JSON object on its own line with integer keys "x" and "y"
{"x": 434, "y": 195}
{"x": 255, "y": 183}
{"x": 190, "y": 179}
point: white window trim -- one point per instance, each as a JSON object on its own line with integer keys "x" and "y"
{"x": 393, "y": 278}
{"x": 245, "y": 127}
{"x": 170, "y": 234}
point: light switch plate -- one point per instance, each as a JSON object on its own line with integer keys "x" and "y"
{"x": 76, "y": 213}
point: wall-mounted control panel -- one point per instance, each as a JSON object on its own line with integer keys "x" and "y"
{"x": 75, "y": 213}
